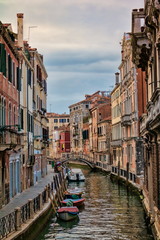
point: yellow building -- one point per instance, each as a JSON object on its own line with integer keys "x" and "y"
{"x": 55, "y": 121}
{"x": 116, "y": 142}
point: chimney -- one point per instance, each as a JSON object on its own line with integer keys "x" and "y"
{"x": 138, "y": 17}
{"x": 117, "y": 78}
{"x": 20, "y": 29}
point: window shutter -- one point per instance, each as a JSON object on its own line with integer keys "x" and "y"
{"x": 9, "y": 68}
{"x": 18, "y": 79}
{"x": 2, "y": 59}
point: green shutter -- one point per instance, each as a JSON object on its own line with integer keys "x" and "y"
{"x": 2, "y": 59}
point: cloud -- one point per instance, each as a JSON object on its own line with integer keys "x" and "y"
{"x": 70, "y": 87}
{"x": 79, "y": 40}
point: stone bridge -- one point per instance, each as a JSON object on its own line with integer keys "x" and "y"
{"x": 77, "y": 158}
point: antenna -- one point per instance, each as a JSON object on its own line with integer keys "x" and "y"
{"x": 29, "y": 31}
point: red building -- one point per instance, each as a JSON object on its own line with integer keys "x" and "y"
{"x": 64, "y": 140}
{"x": 10, "y": 139}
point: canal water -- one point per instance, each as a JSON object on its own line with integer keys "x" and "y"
{"x": 110, "y": 213}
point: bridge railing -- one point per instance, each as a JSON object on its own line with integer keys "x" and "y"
{"x": 77, "y": 156}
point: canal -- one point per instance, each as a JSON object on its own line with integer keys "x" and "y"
{"x": 110, "y": 213}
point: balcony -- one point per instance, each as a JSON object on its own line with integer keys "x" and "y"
{"x": 10, "y": 139}
{"x": 116, "y": 143}
{"x": 126, "y": 120}
{"x": 153, "y": 107}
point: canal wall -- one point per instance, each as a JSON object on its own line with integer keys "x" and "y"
{"x": 27, "y": 221}
{"x": 152, "y": 218}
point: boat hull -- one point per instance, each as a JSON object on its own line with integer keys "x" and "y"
{"x": 68, "y": 213}
{"x": 67, "y": 216}
{"x": 75, "y": 175}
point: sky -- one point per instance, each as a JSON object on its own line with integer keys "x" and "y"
{"x": 79, "y": 40}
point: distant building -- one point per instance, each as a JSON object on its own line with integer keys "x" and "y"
{"x": 55, "y": 122}
{"x": 116, "y": 140}
{"x": 80, "y": 114}
{"x": 100, "y": 129}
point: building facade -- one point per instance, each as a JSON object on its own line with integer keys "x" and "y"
{"x": 55, "y": 122}
{"x": 17, "y": 156}
{"x": 116, "y": 140}
{"x": 79, "y": 115}
{"x": 10, "y": 138}
{"x": 147, "y": 57}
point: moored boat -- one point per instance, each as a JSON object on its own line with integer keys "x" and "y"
{"x": 76, "y": 202}
{"x": 73, "y": 194}
{"x": 67, "y": 213}
{"x": 75, "y": 174}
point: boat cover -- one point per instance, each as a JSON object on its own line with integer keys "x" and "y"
{"x": 68, "y": 209}
{"x": 73, "y": 200}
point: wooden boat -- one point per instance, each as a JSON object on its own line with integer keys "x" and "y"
{"x": 76, "y": 202}
{"x": 67, "y": 213}
{"x": 73, "y": 194}
{"x": 75, "y": 174}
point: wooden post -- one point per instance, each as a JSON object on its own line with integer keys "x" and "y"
{"x": 54, "y": 200}
{"x": 40, "y": 201}
{"x": 46, "y": 189}
{"x": 31, "y": 208}
{"x": 18, "y": 218}
{"x": 127, "y": 171}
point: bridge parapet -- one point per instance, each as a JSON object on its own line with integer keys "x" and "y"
{"x": 78, "y": 158}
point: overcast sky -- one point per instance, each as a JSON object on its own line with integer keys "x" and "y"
{"x": 79, "y": 39}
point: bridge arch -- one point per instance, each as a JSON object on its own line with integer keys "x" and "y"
{"x": 91, "y": 165}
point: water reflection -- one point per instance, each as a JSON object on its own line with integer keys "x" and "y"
{"x": 69, "y": 224}
{"x": 109, "y": 213}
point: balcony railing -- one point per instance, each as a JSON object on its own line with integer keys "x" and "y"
{"x": 126, "y": 119}
{"x": 10, "y": 139}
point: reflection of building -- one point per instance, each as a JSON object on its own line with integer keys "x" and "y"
{"x": 55, "y": 121}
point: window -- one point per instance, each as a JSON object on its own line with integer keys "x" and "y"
{"x": 62, "y": 120}
{"x": 13, "y": 73}
{"x": 21, "y": 118}
{"x": 9, "y": 68}
{"x": 55, "y": 120}
{"x": 29, "y": 76}
{"x": 3, "y": 59}
{"x": 10, "y": 114}
{"x": 14, "y": 115}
